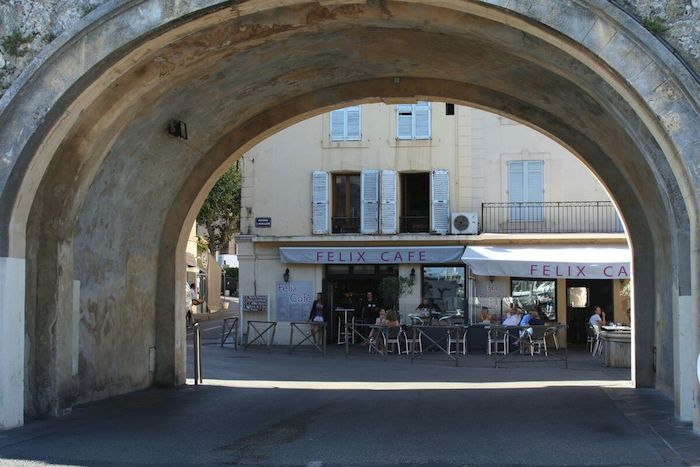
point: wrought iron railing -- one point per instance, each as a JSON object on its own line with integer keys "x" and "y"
{"x": 556, "y": 217}
{"x": 345, "y": 224}
{"x": 414, "y": 224}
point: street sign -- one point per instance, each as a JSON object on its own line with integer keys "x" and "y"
{"x": 263, "y": 222}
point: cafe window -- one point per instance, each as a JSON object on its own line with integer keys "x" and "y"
{"x": 346, "y": 203}
{"x": 445, "y": 287}
{"x": 533, "y": 294}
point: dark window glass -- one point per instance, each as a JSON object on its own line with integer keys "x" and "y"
{"x": 415, "y": 203}
{"x": 346, "y": 203}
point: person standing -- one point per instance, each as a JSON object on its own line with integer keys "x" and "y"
{"x": 317, "y": 318}
{"x": 188, "y": 305}
{"x": 370, "y": 309}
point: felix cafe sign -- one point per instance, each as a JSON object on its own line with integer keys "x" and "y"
{"x": 579, "y": 271}
{"x": 371, "y": 255}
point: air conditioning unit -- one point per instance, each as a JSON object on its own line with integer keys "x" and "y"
{"x": 465, "y": 223}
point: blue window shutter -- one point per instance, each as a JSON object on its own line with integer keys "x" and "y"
{"x": 440, "y": 202}
{"x": 338, "y": 125}
{"x": 516, "y": 189}
{"x": 319, "y": 202}
{"x": 353, "y": 123}
{"x": 387, "y": 216}
{"x": 421, "y": 117}
{"x": 369, "y": 208}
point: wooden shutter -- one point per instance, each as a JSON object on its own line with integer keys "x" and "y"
{"x": 338, "y": 125}
{"x": 440, "y": 202}
{"x": 369, "y": 211}
{"x": 388, "y": 202}
{"x": 319, "y": 202}
{"x": 404, "y": 121}
{"x": 421, "y": 118}
{"x": 353, "y": 123}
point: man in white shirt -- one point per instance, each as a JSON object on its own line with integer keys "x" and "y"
{"x": 598, "y": 317}
{"x": 188, "y": 304}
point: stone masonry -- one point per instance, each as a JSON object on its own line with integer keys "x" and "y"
{"x": 27, "y": 26}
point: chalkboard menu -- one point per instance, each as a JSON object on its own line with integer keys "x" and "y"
{"x": 252, "y": 303}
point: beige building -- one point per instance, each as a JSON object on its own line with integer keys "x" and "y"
{"x": 377, "y": 191}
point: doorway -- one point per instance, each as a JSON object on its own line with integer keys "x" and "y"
{"x": 581, "y": 296}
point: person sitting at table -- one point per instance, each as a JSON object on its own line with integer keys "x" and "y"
{"x": 318, "y": 309}
{"x": 525, "y": 319}
{"x": 535, "y": 319}
{"x": 513, "y": 316}
{"x": 380, "y": 321}
{"x": 598, "y": 317}
{"x": 485, "y": 316}
{"x": 424, "y": 308}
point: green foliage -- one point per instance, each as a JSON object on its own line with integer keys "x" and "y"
{"x": 392, "y": 288}
{"x": 231, "y": 272}
{"x": 655, "y": 25}
{"x": 221, "y": 211}
{"x": 626, "y": 289}
{"x": 14, "y": 44}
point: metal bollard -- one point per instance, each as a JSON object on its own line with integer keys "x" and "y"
{"x": 197, "y": 355}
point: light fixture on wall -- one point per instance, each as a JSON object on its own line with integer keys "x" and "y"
{"x": 177, "y": 128}
{"x": 491, "y": 279}
{"x": 412, "y": 276}
{"x": 285, "y": 276}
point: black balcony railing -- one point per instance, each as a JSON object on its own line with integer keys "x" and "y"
{"x": 414, "y": 224}
{"x": 560, "y": 217}
{"x": 345, "y": 224}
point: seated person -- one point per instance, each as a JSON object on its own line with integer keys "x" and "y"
{"x": 485, "y": 315}
{"x": 424, "y": 308}
{"x": 598, "y": 317}
{"x": 380, "y": 321}
{"x": 535, "y": 319}
{"x": 526, "y": 319}
{"x": 391, "y": 319}
{"x": 512, "y": 318}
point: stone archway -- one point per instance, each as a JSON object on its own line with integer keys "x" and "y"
{"x": 95, "y": 193}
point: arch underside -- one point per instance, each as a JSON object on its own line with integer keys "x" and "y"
{"x": 111, "y": 205}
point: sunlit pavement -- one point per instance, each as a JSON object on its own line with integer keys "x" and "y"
{"x": 260, "y": 407}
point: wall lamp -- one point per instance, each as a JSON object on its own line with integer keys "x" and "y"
{"x": 491, "y": 279}
{"x": 412, "y": 276}
{"x": 177, "y": 128}
{"x": 285, "y": 276}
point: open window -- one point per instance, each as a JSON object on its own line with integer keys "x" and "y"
{"x": 415, "y": 202}
{"x": 346, "y": 203}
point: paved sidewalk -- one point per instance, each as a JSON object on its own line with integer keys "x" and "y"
{"x": 262, "y": 407}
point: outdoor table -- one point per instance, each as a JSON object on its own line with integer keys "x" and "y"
{"x": 342, "y": 336}
{"x": 308, "y": 336}
{"x": 264, "y": 328}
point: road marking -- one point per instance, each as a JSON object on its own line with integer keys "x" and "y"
{"x": 411, "y": 385}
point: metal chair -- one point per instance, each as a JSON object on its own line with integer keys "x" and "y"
{"x": 410, "y": 342}
{"x": 392, "y": 336}
{"x": 590, "y": 338}
{"x": 537, "y": 339}
{"x": 494, "y": 342}
{"x": 457, "y": 338}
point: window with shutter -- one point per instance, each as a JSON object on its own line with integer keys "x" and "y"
{"x": 346, "y": 203}
{"x": 319, "y": 202}
{"x": 388, "y": 202}
{"x": 369, "y": 218}
{"x": 526, "y": 190}
{"x": 413, "y": 121}
{"x": 440, "y": 202}
{"x": 346, "y": 124}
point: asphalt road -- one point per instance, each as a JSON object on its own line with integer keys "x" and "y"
{"x": 261, "y": 407}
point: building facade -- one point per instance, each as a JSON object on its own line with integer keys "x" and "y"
{"x": 367, "y": 194}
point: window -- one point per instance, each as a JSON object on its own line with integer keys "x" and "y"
{"x": 415, "y": 203}
{"x": 346, "y": 203}
{"x": 345, "y": 124}
{"x": 578, "y": 297}
{"x": 413, "y": 121}
{"x": 445, "y": 287}
{"x": 538, "y": 295}
{"x": 526, "y": 190}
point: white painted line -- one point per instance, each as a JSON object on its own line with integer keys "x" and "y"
{"x": 410, "y": 385}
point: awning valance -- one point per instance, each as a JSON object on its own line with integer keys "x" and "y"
{"x": 372, "y": 255}
{"x": 550, "y": 261}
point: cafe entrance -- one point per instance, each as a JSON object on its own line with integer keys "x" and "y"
{"x": 582, "y": 295}
{"x": 347, "y": 286}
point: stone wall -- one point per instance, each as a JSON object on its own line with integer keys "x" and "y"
{"x": 26, "y": 26}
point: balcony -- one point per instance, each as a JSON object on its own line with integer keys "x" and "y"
{"x": 414, "y": 224}
{"x": 345, "y": 224}
{"x": 559, "y": 217}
